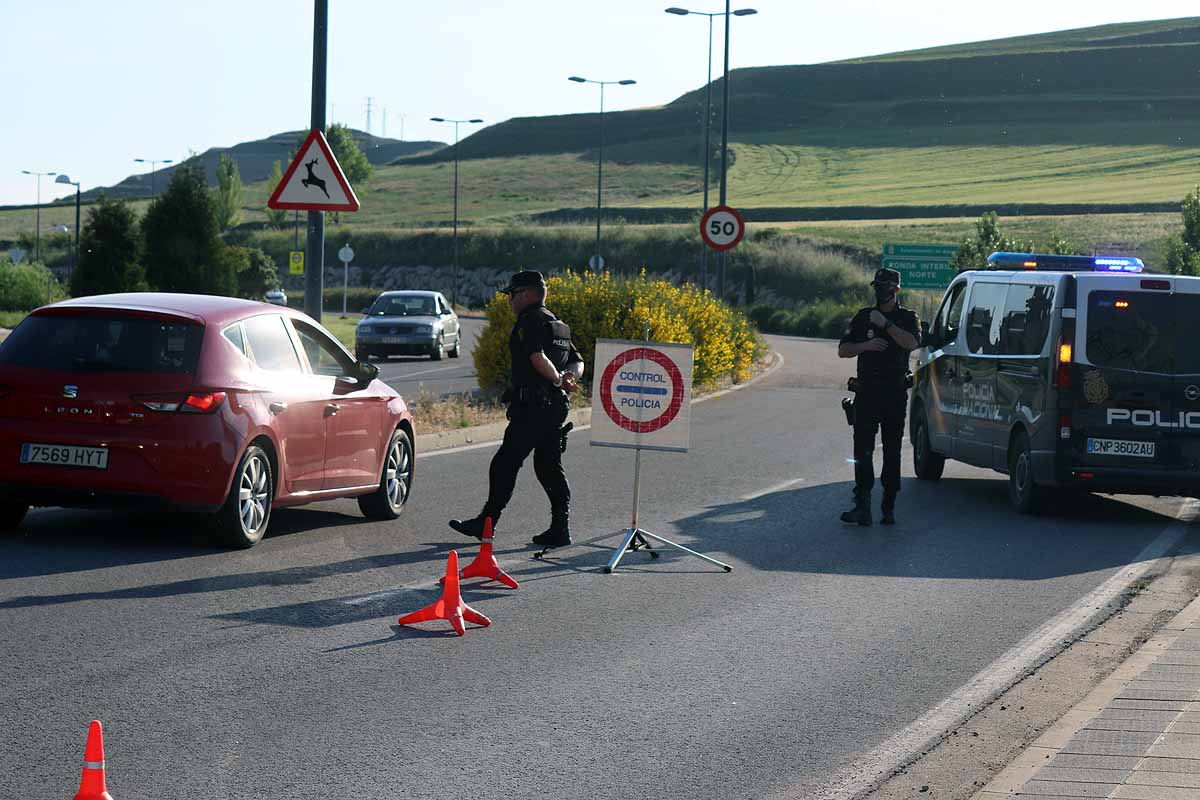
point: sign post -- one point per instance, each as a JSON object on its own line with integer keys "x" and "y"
{"x": 345, "y": 255}
{"x": 641, "y": 400}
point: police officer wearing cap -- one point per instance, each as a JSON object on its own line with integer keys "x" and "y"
{"x": 546, "y": 367}
{"x": 881, "y": 338}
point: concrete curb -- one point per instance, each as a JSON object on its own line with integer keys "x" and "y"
{"x": 1012, "y": 779}
{"x": 582, "y": 417}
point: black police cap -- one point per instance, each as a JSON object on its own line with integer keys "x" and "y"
{"x": 528, "y": 279}
{"x": 886, "y": 276}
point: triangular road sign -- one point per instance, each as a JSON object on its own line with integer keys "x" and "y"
{"x": 314, "y": 180}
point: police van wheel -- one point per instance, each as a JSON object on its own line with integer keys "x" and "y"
{"x": 1023, "y": 492}
{"x": 927, "y": 464}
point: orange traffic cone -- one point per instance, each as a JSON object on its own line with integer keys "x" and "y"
{"x": 91, "y": 785}
{"x": 450, "y": 605}
{"x": 485, "y": 564}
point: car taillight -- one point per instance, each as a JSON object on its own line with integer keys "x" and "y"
{"x": 199, "y": 403}
{"x": 203, "y": 403}
{"x": 1065, "y": 348}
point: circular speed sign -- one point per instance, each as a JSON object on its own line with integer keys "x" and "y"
{"x": 722, "y": 228}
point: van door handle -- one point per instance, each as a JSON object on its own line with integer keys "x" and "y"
{"x": 278, "y": 408}
{"x": 331, "y": 410}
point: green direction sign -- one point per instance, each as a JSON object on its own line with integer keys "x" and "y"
{"x": 921, "y": 266}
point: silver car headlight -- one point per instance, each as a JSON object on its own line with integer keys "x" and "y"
{"x": 364, "y": 330}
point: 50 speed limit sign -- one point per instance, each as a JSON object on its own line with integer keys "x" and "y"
{"x": 722, "y": 228}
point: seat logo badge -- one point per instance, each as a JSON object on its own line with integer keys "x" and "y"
{"x": 1095, "y": 388}
{"x": 70, "y": 391}
{"x": 1192, "y": 392}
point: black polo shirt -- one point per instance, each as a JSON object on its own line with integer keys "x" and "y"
{"x": 529, "y": 337}
{"x": 890, "y": 365}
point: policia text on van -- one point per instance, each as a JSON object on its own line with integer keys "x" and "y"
{"x": 1066, "y": 373}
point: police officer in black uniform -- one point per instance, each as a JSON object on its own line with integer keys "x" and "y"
{"x": 546, "y": 367}
{"x": 881, "y": 338}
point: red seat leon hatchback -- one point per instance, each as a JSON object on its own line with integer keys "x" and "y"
{"x": 211, "y": 404}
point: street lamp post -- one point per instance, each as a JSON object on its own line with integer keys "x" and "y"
{"x": 37, "y": 234}
{"x": 65, "y": 179}
{"x": 741, "y": 12}
{"x": 153, "y": 162}
{"x": 456, "y": 123}
{"x": 600, "y": 158}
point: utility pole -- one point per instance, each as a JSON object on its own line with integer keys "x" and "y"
{"x": 722, "y": 256}
{"x": 314, "y": 258}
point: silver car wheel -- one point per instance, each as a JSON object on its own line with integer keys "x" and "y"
{"x": 398, "y": 473}
{"x": 254, "y": 495}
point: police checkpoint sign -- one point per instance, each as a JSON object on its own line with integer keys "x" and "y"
{"x": 641, "y": 395}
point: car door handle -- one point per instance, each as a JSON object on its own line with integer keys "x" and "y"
{"x": 278, "y": 408}
{"x": 331, "y": 409}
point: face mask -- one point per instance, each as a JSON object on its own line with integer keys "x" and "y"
{"x": 884, "y": 294}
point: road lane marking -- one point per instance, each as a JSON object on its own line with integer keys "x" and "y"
{"x": 772, "y": 489}
{"x": 1029, "y": 654}
{"x": 423, "y": 372}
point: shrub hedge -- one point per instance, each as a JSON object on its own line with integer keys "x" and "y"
{"x": 602, "y": 306}
{"x": 27, "y": 286}
{"x": 357, "y": 298}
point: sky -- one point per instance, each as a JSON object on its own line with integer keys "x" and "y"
{"x": 90, "y": 86}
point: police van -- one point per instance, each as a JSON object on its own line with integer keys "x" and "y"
{"x": 1067, "y": 373}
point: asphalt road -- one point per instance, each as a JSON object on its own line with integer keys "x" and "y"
{"x": 412, "y": 375}
{"x": 279, "y": 672}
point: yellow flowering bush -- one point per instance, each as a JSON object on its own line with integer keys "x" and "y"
{"x": 601, "y": 306}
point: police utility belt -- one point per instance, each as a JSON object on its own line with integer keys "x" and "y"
{"x": 854, "y": 385}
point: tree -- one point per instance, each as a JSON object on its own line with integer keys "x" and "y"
{"x": 256, "y": 271}
{"x": 276, "y": 216}
{"x": 1183, "y": 248}
{"x": 229, "y": 194}
{"x": 350, "y": 156}
{"x": 109, "y": 250}
{"x": 183, "y": 245}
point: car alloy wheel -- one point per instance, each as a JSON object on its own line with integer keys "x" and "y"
{"x": 398, "y": 473}
{"x": 254, "y": 495}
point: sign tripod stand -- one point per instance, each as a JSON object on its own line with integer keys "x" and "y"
{"x": 635, "y": 537}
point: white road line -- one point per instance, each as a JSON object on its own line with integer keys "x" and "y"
{"x": 480, "y": 445}
{"x": 772, "y": 489}
{"x": 1028, "y": 654}
{"x": 406, "y": 375}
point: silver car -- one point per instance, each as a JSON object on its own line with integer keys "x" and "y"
{"x": 408, "y": 323}
{"x": 276, "y": 297}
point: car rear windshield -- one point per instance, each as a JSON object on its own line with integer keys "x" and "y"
{"x": 103, "y": 344}
{"x": 1144, "y": 331}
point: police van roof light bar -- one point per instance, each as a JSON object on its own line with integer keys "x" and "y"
{"x": 1043, "y": 261}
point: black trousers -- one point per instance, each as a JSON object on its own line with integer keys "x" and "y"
{"x": 878, "y": 408}
{"x": 532, "y": 428}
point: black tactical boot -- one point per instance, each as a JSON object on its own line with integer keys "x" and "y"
{"x": 557, "y": 535}
{"x": 888, "y": 509}
{"x": 861, "y": 513}
{"x": 473, "y": 527}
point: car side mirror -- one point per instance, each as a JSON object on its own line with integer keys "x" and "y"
{"x": 367, "y": 371}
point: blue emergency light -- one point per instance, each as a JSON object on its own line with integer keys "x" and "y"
{"x": 1043, "y": 261}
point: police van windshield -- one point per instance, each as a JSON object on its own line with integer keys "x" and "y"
{"x": 1144, "y": 331}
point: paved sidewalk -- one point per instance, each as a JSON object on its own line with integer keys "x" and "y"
{"x": 1136, "y": 736}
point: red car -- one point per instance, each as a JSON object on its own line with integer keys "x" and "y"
{"x": 212, "y": 404}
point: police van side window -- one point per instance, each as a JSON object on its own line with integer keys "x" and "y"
{"x": 946, "y": 327}
{"x": 983, "y": 318}
{"x": 1026, "y": 321}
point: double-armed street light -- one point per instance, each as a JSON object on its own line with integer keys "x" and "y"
{"x": 741, "y": 12}
{"x": 599, "y": 260}
{"x": 37, "y": 234}
{"x": 65, "y": 179}
{"x": 455, "y": 123}
{"x": 153, "y": 162}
